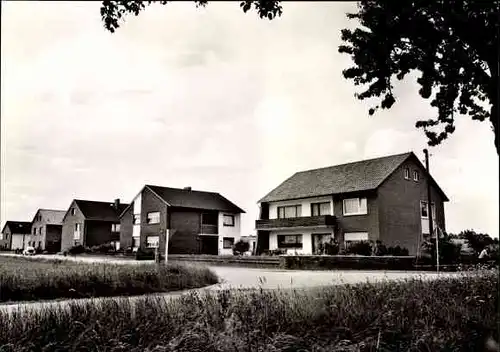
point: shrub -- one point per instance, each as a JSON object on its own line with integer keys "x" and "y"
{"x": 449, "y": 252}
{"x": 360, "y": 248}
{"x": 145, "y": 254}
{"x": 103, "y": 248}
{"x": 241, "y": 247}
{"x": 79, "y": 249}
{"x": 397, "y": 251}
{"x": 388, "y": 316}
{"x": 332, "y": 247}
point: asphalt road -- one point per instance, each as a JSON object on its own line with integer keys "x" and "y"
{"x": 247, "y": 278}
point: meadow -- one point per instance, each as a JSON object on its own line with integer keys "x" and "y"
{"x": 32, "y": 279}
{"x": 451, "y": 314}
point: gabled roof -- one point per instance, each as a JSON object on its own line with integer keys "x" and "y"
{"x": 186, "y": 198}
{"x": 96, "y": 210}
{"x": 177, "y": 197}
{"x": 51, "y": 216}
{"x": 18, "y": 227}
{"x": 356, "y": 176}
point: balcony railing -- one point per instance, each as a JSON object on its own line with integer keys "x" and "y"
{"x": 209, "y": 229}
{"x": 305, "y": 221}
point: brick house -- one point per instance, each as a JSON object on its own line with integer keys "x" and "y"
{"x": 46, "y": 230}
{"x": 378, "y": 199}
{"x": 13, "y": 235}
{"x": 196, "y": 222}
{"x": 91, "y": 223}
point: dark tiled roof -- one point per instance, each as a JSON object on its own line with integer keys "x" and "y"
{"x": 104, "y": 211}
{"x": 356, "y": 176}
{"x": 177, "y": 197}
{"x": 18, "y": 226}
{"x": 51, "y": 216}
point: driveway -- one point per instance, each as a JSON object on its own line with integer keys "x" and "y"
{"x": 247, "y": 278}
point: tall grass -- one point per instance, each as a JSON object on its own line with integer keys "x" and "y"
{"x": 24, "y": 279}
{"x": 453, "y": 314}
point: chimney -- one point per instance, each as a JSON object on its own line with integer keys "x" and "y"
{"x": 117, "y": 203}
{"x": 187, "y": 188}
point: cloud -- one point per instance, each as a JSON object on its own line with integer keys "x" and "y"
{"x": 208, "y": 97}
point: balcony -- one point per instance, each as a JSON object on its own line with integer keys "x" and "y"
{"x": 306, "y": 221}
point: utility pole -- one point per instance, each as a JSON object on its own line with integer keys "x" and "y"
{"x": 429, "y": 206}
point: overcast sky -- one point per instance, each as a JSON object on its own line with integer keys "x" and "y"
{"x": 210, "y": 98}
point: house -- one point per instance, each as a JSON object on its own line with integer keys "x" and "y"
{"x": 46, "y": 230}
{"x": 91, "y": 223}
{"x": 14, "y": 235}
{"x": 378, "y": 199}
{"x": 196, "y": 222}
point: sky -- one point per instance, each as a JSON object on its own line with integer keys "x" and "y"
{"x": 210, "y": 98}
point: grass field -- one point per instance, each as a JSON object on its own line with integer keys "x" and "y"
{"x": 24, "y": 279}
{"x": 453, "y": 314}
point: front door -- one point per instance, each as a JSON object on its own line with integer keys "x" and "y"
{"x": 209, "y": 245}
{"x": 317, "y": 240}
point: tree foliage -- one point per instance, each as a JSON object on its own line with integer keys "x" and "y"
{"x": 112, "y": 12}
{"x": 477, "y": 241}
{"x": 454, "y": 45}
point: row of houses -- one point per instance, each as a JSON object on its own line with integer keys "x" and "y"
{"x": 377, "y": 199}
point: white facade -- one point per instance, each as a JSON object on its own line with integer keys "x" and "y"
{"x": 225, "y": 231}
{"x": 305, "y": 205}
{"x": 17, "y": 241}
{"x": 306, "y": 232}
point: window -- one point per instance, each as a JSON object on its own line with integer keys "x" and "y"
{"x": 136, "y": 242}
{"x": 154, "y": 217}
{"x": 209, "y": 219}
{"x": 228, "y": 220}
{"x": 1, "y": 236}
{"x": 415, "y": 175}
{"x": 424, "y": 210}
{"x": 137, "y": 219}
{"x": 228, "y": 242}
{"x": 289, "y": 241}
{"x": 320, "y": 209}
{"x": 152, "y": 241}
{"x": 39, "y": 244}
{"x": 352, "y": 237}
{"x": 76, "y": 234}
{"x": 40, "y": 230}
{"x": 407, "y": 173}
{"x": 34, "y": 230}
{"x": 355, "y": 206}
{"x": 115, "y": 227}
{"x": 73, "y": 211}
{"x": 290, "y": 211}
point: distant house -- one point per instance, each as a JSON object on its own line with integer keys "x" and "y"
{"x": 252, "y": 242}
{"x": 196, "y": 222}
{"x": 46, "y": 230}
{"x": 378, "y": 199}
{"x": 14, "y": 235}
{"x": 91, "y": 223}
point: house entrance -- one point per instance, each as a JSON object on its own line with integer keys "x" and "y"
{"x": 318, "y": 239}
{"x": 209, "y": 245}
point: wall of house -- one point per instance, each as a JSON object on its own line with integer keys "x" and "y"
{"x": 185, "y": 226}
{"x": 98, "y": 232}
{"x": 126, "y": 227}
{"x": 18, "y": 241}
{"x": 399, "y": 207}
{"x": 304, "y": 202}
{"x": 306, "y": 238}
{"x": 228, "y": 231}
{"x": 368, "y": 222}
{"x": 151, "y": 203}
{"x": 5, "y": 241}
{"x": 68, "y": 228}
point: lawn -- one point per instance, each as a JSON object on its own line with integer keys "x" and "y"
{"x": 452, "y": 314}
{"x": 24, "y": 279}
